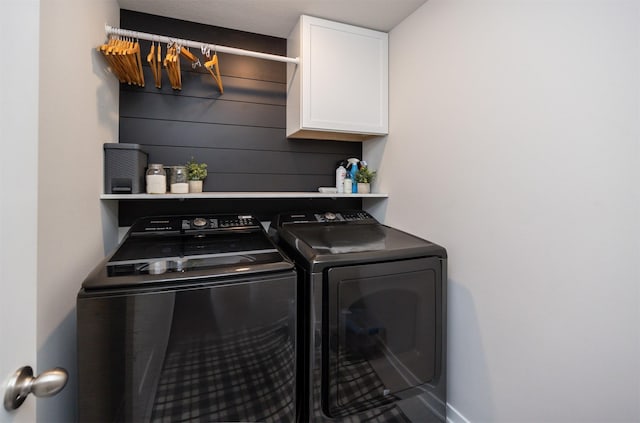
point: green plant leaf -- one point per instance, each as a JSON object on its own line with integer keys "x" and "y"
{"x": 365, "y": 175}
{"x": 196, "y": 171}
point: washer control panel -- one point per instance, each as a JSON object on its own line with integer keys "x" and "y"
{"x": 191, "y": 224}
{"x": 218, "y": 222}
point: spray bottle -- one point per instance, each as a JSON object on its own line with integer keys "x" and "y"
{"x": 353, "y": 168}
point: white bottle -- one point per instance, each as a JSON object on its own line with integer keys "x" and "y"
{"x": 341, "y": 172}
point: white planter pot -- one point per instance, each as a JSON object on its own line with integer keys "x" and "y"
{"x": 364, "y": 188}
{"x": 195, "y": 186}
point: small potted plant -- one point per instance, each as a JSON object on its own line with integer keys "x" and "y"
{"x": 196, "y": 172}
{"x": 364, "y": 178}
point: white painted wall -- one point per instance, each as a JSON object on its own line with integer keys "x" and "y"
{"x": 521, "y": 120}
{"x": 19, "y": 22}
{"x": 78, "y": 113}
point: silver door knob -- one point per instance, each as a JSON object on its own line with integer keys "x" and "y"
{"x": 22, "y": 383}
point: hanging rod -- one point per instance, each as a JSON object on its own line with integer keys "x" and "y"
{"x": 197, "y": 44}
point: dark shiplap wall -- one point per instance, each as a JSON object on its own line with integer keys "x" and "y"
{"x": 239, "y": 134}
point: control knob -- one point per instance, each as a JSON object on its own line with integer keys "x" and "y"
{"x": 330, "y": 216}
{"x": 199, "y": 222}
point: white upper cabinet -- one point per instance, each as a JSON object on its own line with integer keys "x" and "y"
{"x": 339, "y": 90}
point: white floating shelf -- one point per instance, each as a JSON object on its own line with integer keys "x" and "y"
{"x": 248, "y": 194}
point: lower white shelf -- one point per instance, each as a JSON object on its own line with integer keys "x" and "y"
{"x": 247, "y": 194}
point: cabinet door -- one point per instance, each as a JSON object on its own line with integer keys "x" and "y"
{"x": 344, "y": 72}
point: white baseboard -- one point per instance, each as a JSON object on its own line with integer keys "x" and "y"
{"x": 454, "y": 416}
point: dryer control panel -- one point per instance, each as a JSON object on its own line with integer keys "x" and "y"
{"x": 348, "y": 216}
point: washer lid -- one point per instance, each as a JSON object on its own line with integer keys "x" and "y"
{"x": 321, "y": 244}
{"x": 175, "y": 251}
{"x": 187, "y": 246}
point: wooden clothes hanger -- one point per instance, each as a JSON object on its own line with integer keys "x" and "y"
{"x": 153, "y": 60}
{"x": 172, "y": 64}
{"x": 128, "y": 54}
{"x": 176, "y": 67}
{"x": 111, "y": 52}
{"x": 137, "y": 63}
{"x": 159, "y": 65}
{"x": 115, "y": 67}
{"x": 195, "y": 62}
{"x": 167, "y": 64}
{"x": 214, "y": 69}
{"x": 123, "y": 57}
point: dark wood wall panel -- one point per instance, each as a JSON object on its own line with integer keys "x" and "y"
{"x": 239, "y": 134}
{"x": 166, "y": 132}
{"x": 248, "y": 161}
{"x": 264, "y": 210}
{"x": 203, "y": 110}
{"x": 201, "y": 84}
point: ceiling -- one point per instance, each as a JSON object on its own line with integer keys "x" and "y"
{"x": 277, "y": 17}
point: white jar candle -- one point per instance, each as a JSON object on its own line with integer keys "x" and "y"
{"x": 180, "y": 188}
{"x": 348, "y": 184}
{"x": 156, "y": 179}
{"x": 178, "y": 181}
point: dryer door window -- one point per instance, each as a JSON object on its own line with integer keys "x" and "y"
{"x": 382, "y": 323}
